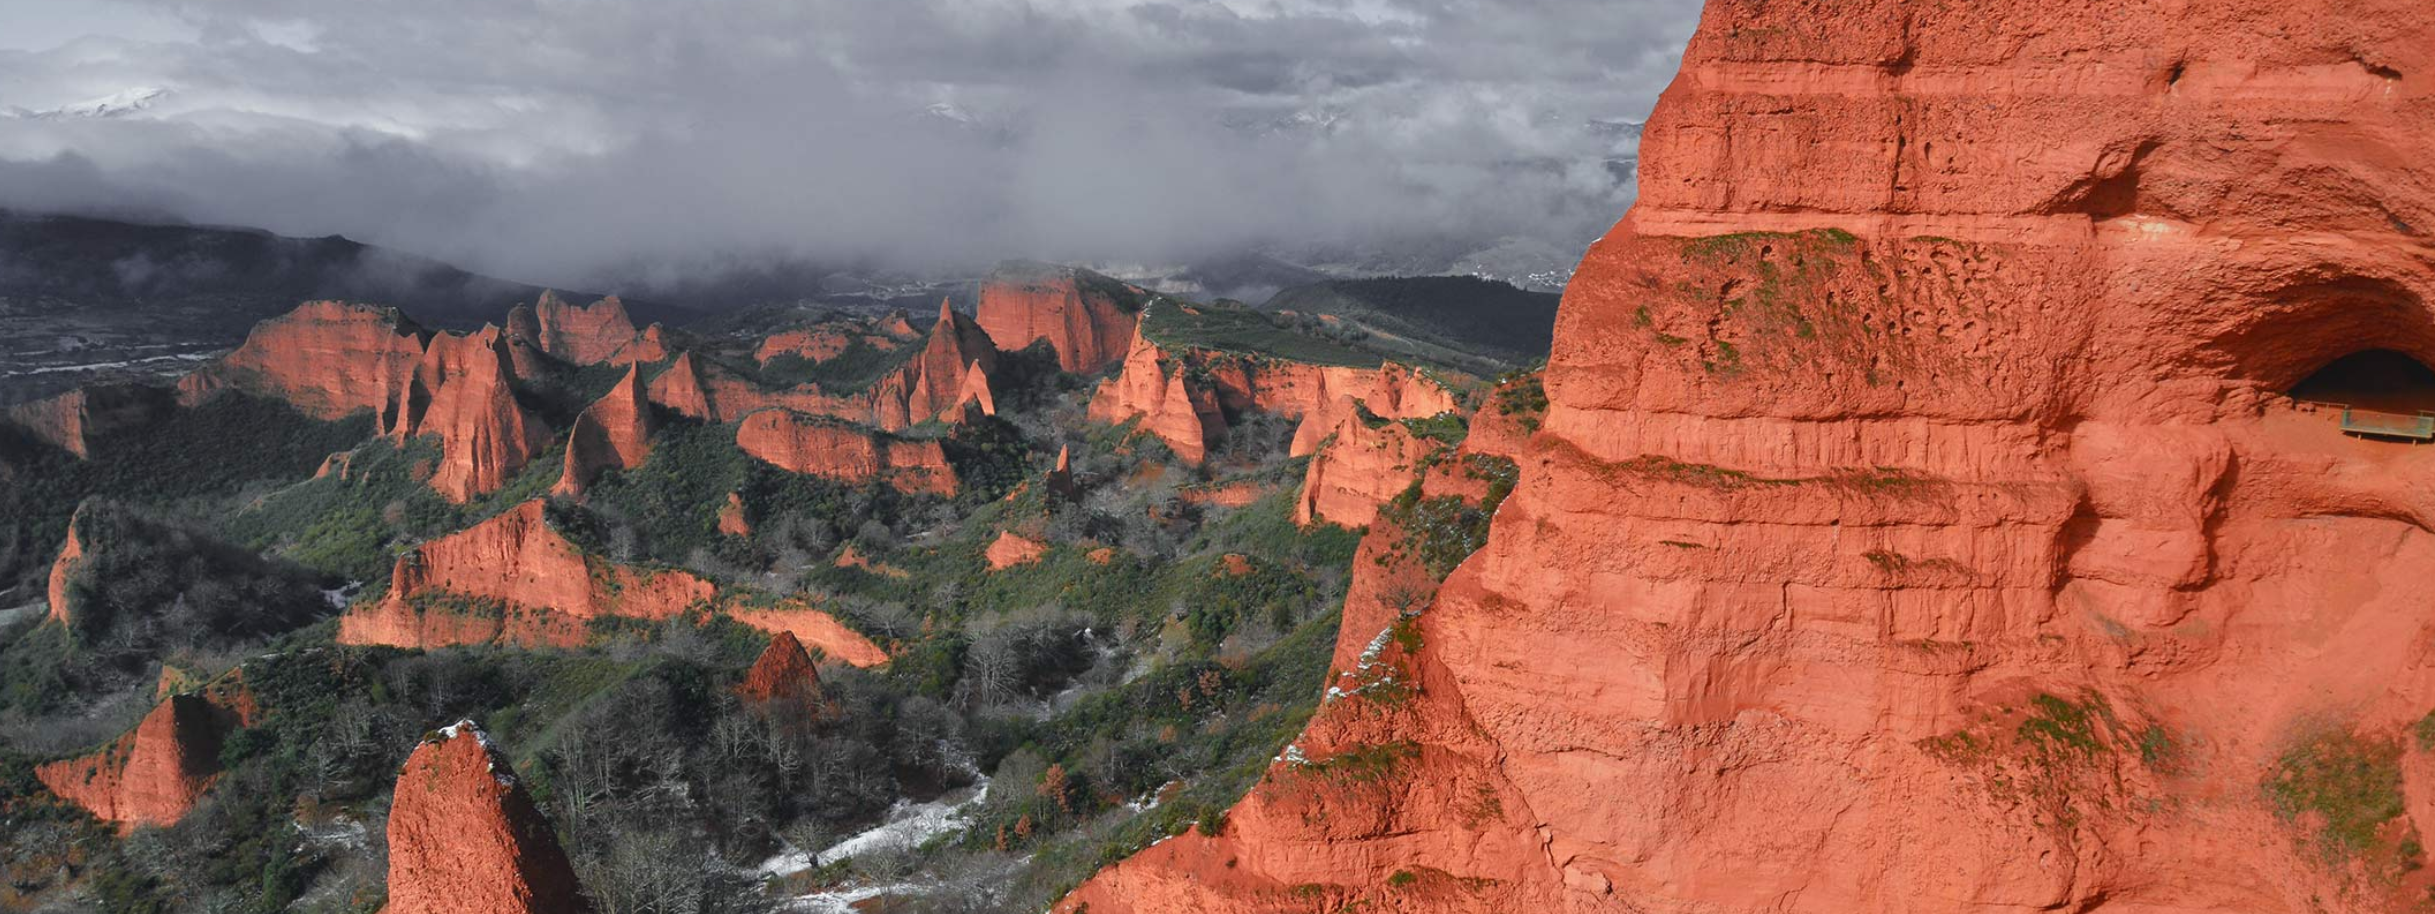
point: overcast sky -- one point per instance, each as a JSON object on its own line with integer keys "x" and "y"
{"x": 562, "y": 139}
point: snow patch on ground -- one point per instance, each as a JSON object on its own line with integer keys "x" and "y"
{"x": 907, "y": 826}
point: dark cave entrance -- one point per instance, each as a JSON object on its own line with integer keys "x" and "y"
{"x": 2386, "y": 394}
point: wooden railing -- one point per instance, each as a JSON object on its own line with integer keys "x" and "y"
{"x": 2419, "y": 426}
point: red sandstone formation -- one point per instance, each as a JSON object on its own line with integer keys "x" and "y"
{"x": 329, "y": 359}
{"x": 70, "y": 421}
{"x": 972, "y": 395}
{"x": 785, "y": 677}
{"x": 817, "y": 629}
{"x": 1011, "y": 549}
{"x": 700, "y": 389}
{"x": 1917, "y": 524}
{"x": 1394, "y": 392}
{"x": 1151, "y": 387}
{"x": 584, "y": 335}
{"x": 1078, "y": 312}
{"x": 647, "y": 347}
{"x": 613, "y": 433}
{"x": 1060, "y": 482}
{"x": 326, "y": 358}
{"x": 851, "y": 557}
{"x": 820, "y": 446}
{"x": 951, "y": 372}
{"x": 157, "y": 772}
{"x": 1367, "y": 462}
{"x": 63, "y": 570}
{"x": 813, "y": 344}
{"x": 464, "y": 838}
{"x": 533, "y": 587}
{"x": 732, "y": 519}
{"x": 1183, "y": 398}
{"x": 485, "y": 436}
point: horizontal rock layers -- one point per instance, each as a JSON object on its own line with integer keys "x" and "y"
{"x": 1915, "y": 523}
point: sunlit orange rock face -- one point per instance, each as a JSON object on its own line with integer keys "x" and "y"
{"x": 465, "y": 838}
{"x": 1367, "y": 462}
{"x": 951, "y": 371}
{"x": 155, "y": 774}
{"x": 70, "y": 421}
{"x": 821, "y": 446}
{"x": 1011, "y": 549}
{"x": 1151, "y": 387}
{"x": 698, "y": 388}
{"x": 512, "y": 579}
{"x": 330, "y": 359}
{"x": 1916, "y": 524}
{"x": 783, "y": 682}
{"x": 585, "y": 334}
{"x": 1183, "y": 398}
{"x": 485, "y": 436}
{"x": 326, "y": 358}
{"x": 814, "y": 629}
{"x": 63, "y": 570}
{"x": 1078, "y": 312}
{"x": 613, "y": 433}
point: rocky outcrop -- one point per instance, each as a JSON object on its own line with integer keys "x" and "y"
{"x": 512, "y": 579}
{"x": 701, "y": 389}
{"x": 1011, "y": 549}
{"x": 1916, "y": 523}
{"x": 1060, "y": 483}
{"x": 1183, "y": 398}
{"x": 331, "y": 359}
{"x": 1366, "y": 463}
{"x": 485, "y": 435}
{"x": 732, "y": 519}
{"x": 155, "y": 774}
{"x": 833, "y": 449}
{"x": 72, "y": 420}
{"x": 585, "y": 334}
{"x": 464, "y": 837}
{"x": 1394, "y": 391}
{"x": 613, "y": 433}
{"x": 63, "y": 569}
{"x": 1151, "y": 387}
{"x": 1087, "y": 318}
{"x": 326, "y": 358}
{"x": 784, "y": 680}
{"x": 949, "y": 377}
{"x": 815, "y": 629}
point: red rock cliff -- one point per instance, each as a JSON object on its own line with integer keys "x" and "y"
{"x": 585, "y": 335}
{"x": 613, "y": 433}
{"x": 327, "y": 358}
{"x": 1367, "y": 462}
{"x": 1916, "y": 524}
{"x": 784, "y": 680}
{"x": 485, "y": 436}
{"x": 821, "y": 446}
{"x": 464, "y": 838}
{"x": 1078, "y": 312}
{"x": 535, "y": 587}
{"x": 155, "y": 774}
{"x": 63, "y": 569}
{"x": 70, "y": 421}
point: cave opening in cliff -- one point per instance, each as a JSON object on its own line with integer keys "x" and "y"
{"x": 2380, "y": 380}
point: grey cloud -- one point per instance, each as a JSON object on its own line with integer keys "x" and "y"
{"x": 563, "y": 141}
